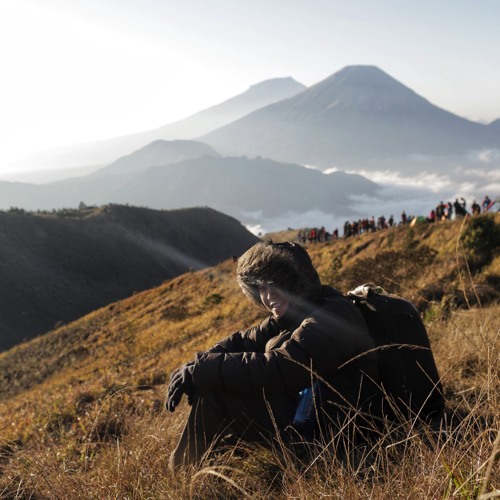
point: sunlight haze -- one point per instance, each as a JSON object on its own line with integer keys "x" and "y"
{"x": 88, "y": 70}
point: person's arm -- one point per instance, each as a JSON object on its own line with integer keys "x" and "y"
{"x": 280, "y": 371}
{"x": 320, "y": 346}
{"x": 253, "y": 340}
{"x": 285, "y": 370}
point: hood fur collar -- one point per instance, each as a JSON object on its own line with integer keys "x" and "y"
{"x": 285, "y": 265}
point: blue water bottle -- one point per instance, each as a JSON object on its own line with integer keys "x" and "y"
{"x": 305, "y": 415}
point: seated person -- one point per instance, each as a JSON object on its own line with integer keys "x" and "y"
{"x": 247, "y": 385}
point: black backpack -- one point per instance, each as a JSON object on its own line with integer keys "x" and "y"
{"x": 409, "y": 379}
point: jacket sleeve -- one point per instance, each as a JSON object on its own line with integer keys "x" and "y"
{"x": 320, "y": 346}
{"x": 253, "y": 340}
{"x": 280, "y": 371}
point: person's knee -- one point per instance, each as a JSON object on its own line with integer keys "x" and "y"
{"x": 175, "y": 461}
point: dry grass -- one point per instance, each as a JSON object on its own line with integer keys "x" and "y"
{"x": 82, "y": 410}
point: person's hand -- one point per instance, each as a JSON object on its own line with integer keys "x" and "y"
{"x": 181, "y": 383}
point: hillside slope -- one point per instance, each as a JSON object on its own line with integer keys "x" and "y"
{"x": 88, "y": 398}
{"x": 419, "y": 263}
{"x": 58, "y": 267}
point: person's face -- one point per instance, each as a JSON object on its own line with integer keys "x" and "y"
{"x": 274, "y": 300}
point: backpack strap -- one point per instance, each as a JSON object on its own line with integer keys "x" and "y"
{"x": 367, "y": 290}
{"x": 379, "y": 327}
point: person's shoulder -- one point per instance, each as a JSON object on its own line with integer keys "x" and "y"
{"x": 268, "y": 324}
{"x": 335, "y": 302}
{"x": 337, "y": 317}
{"x": 331, "y": 296}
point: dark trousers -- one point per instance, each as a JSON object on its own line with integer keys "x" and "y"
{"x": 249, "y": 417}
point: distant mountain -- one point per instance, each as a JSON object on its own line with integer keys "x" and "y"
{"x": 158, "y": 153}
{"x": 495, "y": 125}
{"x": 356, "y": 116}
{"x": 257, "y": 96}
{"x": 56, "y": 268}
{"x": 105, "y": 151}
{"x": 251, "y": 190}
{"x": 44, "y": 176}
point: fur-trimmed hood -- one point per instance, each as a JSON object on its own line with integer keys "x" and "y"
{"x": 285, "y": 265}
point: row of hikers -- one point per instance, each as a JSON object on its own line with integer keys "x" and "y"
{"x": 442, "y": 212}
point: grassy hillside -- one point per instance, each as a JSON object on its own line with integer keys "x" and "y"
{"x": 430, "y": 264}
{"x": 82, "y": 408}
{"x": 58, "y": 266}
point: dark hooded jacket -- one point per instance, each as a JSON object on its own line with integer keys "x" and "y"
{"x": 321, "y": 337}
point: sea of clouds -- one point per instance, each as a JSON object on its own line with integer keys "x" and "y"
{"x": 417, "y": 192}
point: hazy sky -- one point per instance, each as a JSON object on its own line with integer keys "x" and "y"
{"x": 78, "y": 70}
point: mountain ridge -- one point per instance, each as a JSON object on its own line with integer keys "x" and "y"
{"x": 237, "y": 186}
{"x": 59, "y": 266}
{"x": 354, "y": 116}
{"x": 159, "y": 152}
